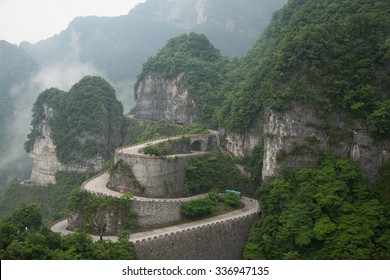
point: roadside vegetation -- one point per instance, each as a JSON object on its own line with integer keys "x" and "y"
{"x": 142, "y": 130}
{"x": 214, "y": 204}
{"x": 170, "y": 147}
{"x": 215, "y": 170}
{"x": 23, "y": 236}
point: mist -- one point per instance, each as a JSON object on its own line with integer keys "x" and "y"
{"x": 61, "y": 74}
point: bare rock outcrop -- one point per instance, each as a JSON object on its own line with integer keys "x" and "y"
{"x": 164, "y": 99}
{"x": 295, "y": 138}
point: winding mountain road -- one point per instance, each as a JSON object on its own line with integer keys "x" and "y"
{"x": 98, "y": 185}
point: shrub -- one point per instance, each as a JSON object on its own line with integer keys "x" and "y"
{"x": 215, "y": 196}
{"x": 232, "y": 199}
{"x": 197, "y": 208}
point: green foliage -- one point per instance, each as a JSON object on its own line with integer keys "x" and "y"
{"x": 197, "y": 208}
{"x": 83, "y": 120}
{"x": 202, "y": 66}
{"x": 207, "y": 172}
{"x": 170, "y": 147}
{"x": 215, "y": 196}
{"x": 168, "y": 61}
{"x": 383, "y": 186}
{"x": 120, "y": 166}
{"x": 321, "y": 213}
{"x": 92, "y": 211}
{"x": 121, "y": 250}
{"x": 51, "y": 198}
{"x": 141, "y": 130}
{"x": 231, "y": 199}
{"x": 192, "y": 128}
{"x": 380, "y": 119}
{"x": 27, "y": 217}
{"x": 40, "y": 243}
{"x": 215, "y": 203}
{"x": 161, "y": 149}
{"x": 332, "y": 54}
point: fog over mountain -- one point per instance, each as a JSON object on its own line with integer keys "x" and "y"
{"x": 118, "y": 46}
{"x": 114, "y": 48}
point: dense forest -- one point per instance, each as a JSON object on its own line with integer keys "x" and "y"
{"x": 325, "y": 212}
{"x": 332, "y": 54}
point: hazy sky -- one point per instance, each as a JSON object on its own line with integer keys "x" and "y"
{"x": 34, "y": 20}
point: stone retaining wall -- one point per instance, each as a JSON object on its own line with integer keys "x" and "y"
{"x": 220, "y": 240}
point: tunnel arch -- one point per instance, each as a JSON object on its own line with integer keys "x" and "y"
{"x": 198, "y": 145}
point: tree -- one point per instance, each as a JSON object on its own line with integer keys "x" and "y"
{"x": 100, "y": 223}
{"x": 27, "y": 217}
{"x": 380, "y": 118}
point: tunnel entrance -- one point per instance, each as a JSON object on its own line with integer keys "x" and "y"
{"x": 197, "y": 146}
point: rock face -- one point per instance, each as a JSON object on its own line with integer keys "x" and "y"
{"x": 184, "y": 13}
{"x": 209, "y": 14}
{"x": 45, "y": 161}
{"x": 160, "y": 99}
{"x": 295, "y": 138}
{"x": 242, "y": 144}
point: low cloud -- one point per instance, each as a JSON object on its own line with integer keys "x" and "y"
{"x": 62, "y": 74}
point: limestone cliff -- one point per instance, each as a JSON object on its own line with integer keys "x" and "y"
{"x": 45, "y": 161}
{"x": 296, "y": 137}
{"x": 164, "y": 99}
{"x": 242, "y": 144}
{"x": 209, "y": 15}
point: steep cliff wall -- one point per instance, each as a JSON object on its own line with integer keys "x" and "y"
{"x": 242, "y": 144}
{"x": 45, "y": 161}
{"x": 296, "y": 137}
{"x": 164, "y": 99}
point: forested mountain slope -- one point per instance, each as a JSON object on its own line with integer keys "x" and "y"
{"x": 333, "y": 54}
{"x": 117, "y": 46}
{"x": 313, "y": 94}
{"x": 317, "y": 83}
